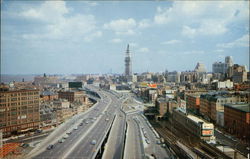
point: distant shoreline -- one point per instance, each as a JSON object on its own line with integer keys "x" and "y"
{"x": 7, "y": 78}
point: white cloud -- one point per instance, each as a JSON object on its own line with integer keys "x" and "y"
{"x": 92, "y": 36}
{"x": 145, "y": 23}
{"x": 241, "y": 42}
{"x": 144, "y": 49}
{"x": 58, "y": 24}
{"x": 122, "y": 26}
{"x": 208, "y": 27}
{"x": 116, "y": 40}
{"x": 128, "y": 32}
{"x": 49, "y": 11}
{"x": 196, "y": 18}
{"x": 187, "y": 31}
{"x": 170, "y": 42}
{"x": 161, "y": 16}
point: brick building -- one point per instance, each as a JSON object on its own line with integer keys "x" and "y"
{"x": 211, "y": 104}
{"x": 19, "y": 111}
{"x": 193, "y": 102}
{"x": 48, "y": 95}
{"x": 74, "y": 96}
{"x": 237, "y": 120}
{"x": 161, "y": 105}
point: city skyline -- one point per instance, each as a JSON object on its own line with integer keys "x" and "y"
{"x": 53, "y": 37}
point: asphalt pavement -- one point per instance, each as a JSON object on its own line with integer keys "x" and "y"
{"x": 86, "y": 133}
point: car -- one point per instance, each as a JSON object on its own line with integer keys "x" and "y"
{"x": 163, "y": 145}
{"x": 86, "y": 122}
{"x": 158, "y": 142}
{"x": 50, "y": 147}
{"x": 93, "y": 142}
{"x": 24, "y": 145}
{"x": 65, "y": 136}
{"x": 80, "y": 124}
{"x": 75, "y": 128}
{"x": 107, "y": 119}
{"x": 69, "y": 132}
{"x": 61, "y": 140}
{"x": 39, "y": 131}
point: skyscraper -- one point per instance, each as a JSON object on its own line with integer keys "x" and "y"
{"x": 128, "y": 65}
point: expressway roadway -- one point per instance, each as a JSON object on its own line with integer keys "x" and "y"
{"x": 154, "y": 147}
{"x": 95, "y": 124}
{"x": 137, "y": 125}
{"x": 115, "y": 144}
{"x": 133, "y": 148}
{"x": 87, "y": 150}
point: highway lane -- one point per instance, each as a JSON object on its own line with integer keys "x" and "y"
{"x": 153, "y": 147}
{"x": 133, "y": 145}
{"x": 61, "y": 148}
{"x": 115, "y": 143}
{"x": 87, "y": 150}
{"x": 134, "y": 110}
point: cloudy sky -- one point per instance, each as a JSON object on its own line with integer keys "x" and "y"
{"x": 91, "y": 37}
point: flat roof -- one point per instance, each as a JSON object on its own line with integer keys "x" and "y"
{"x": 192, "y": 117}
{"x": 243, "y": 107}
{"x": 196, "y": 119}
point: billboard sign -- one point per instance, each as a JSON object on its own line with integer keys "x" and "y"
{"x": 75, "y": 84}
{"x": 207, "y": 132}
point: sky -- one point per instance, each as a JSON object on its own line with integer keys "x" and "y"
{"x": 69, "y": 37}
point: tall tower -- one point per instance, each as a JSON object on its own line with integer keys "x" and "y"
{"x": 229, "y": 60}
{"x": 128, "y": 65}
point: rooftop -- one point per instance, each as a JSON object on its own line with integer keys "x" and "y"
{"x": 243, "y": 107}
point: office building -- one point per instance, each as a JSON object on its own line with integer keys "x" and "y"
{"x": 19, "y": 111}
{"x": 238, "y": 73}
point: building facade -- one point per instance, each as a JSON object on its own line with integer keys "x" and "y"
{"x": 193, "y": 102}
{"x": 162, "y": 106}
{"x": 212, "y": 104}
{"x": 237, "y": 120}
{"x": 73, "y": 96}
{"x": 19, "y": 111}
{"x": 220, "y": 67}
